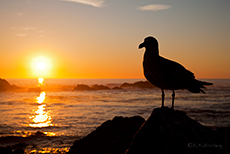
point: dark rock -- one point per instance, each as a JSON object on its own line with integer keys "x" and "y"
{"x": 112, "y": 85}
{"x": 125, "y": 84}
{"x": 224, "y": 137}
{"x": 82, "y": 87}
{"x": 94, "y": 87}
{"x": 167, "y": 131}
{"x": 5, "y": 86}
{"x": 112, "y": 137}
{"x": 38, "y": 133}
{"x": 139, "y": 84}
{"x": 100, "y": 87}
{"x": 117, "y": 88}
{"x": 143, "y": 84}
{"x": 14, "y": 149}
{"x": 14, "y": 87}
{"x": 5, "y": 150}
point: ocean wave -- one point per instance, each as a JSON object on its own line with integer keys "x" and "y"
{"x": 38, "y": 141}
{"x": 208, "y": 111}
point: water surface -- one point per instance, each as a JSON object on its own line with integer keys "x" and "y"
{"x": 52, "y": 119}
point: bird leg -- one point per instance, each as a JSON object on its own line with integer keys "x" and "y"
{"x": 163, "y": 97}
{"x": 173, "y": 96}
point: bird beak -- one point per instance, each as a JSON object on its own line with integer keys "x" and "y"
{"x": 141, "y": 45}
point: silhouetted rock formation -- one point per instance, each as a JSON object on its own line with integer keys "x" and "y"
{"x": 139, "y": 84}
{"x": 14, "y": 149}
{"x": 112, "y": 137}
{"x": 99, "y": 87}
{"x": 117, "y": 88}
{"x": 113, "y": 85}
{"x": 93, "y": 87}
{"x": 82, "y": 87}
{"x": 167, "y": 131}
{"x": 5, "y": 86}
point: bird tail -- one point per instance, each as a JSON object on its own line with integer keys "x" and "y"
{"x": 196, "y": 86}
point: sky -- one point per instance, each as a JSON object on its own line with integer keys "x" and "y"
{"x": 99, "y": 38}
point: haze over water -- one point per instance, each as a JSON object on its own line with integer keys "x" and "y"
{"x": 68, "y": 115}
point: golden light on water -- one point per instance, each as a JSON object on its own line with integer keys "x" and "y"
{"x": 41, "y": 97}
{"x": 40, "y": 81}
{"x": 41, "y": 117}
{"x": 51, "y": 150}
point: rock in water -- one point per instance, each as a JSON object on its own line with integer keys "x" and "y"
{"x": 82, "y": 87}
{"x": 168, "y": 131}
{"x": 4, "y": 85}
{"x": 99, "y": 87}
{"x": 112, "y": 137}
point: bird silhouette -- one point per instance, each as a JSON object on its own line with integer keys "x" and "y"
{"x": 167, "y": 74}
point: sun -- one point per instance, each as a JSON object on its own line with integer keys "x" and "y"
{"x": 41, "y": 66}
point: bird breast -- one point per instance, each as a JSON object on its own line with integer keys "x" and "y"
{"x": 151, "y": 67}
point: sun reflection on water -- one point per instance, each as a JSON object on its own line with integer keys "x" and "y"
{"x": 41, "y": 117}
{"x": 40, "y": 81}
{"x": 50, "y": 150}
{"x": 41, "y": 97}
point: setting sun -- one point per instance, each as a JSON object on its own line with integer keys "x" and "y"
{"x": 41, "y": 66}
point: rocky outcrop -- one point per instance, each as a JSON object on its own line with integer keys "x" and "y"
{"x": 14, "y": 149}
{"x": 82, "y": 87}
{"x": 112, "y": 137}
{"x": 100, "y": 87}
{"x": 167, "y": 131}
{"x": 93, "y": 87}
{"x": 6, "y": 86}
{"x": 139, "y": 84}
{"x": 117, "y": 88}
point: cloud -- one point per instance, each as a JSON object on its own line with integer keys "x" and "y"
{"x": 29, "y": 28}
{"x": 23, "y": 28}
{"x": 95, "y": 3}
{"x": 19, "y": 14}
{"x": 21, "y": 35}
{"x": 154, "y": 7}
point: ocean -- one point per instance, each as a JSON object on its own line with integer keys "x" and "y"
{"x": 51, "y": 120}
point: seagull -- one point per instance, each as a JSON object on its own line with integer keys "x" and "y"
{"x": 167, "y": 74}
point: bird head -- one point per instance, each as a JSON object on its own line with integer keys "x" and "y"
{"x": 149, "y": 43}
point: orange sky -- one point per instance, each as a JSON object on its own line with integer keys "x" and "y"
{"x": 100, "y": 40}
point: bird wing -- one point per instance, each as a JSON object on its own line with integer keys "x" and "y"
{"x": 175, "y": 71}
